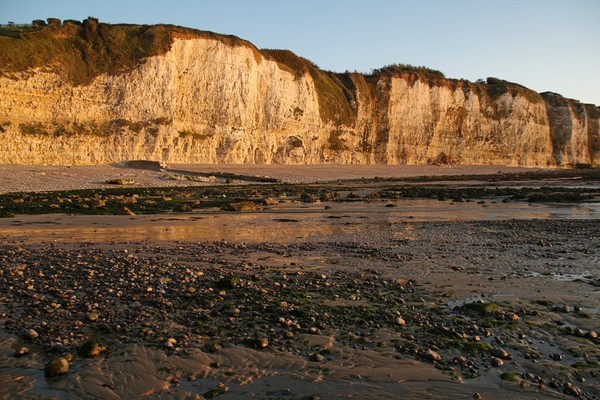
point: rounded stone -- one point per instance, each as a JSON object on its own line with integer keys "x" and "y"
{"x": 55, "y": 367}
{"x": 31, "y": 334}
{"x": 433, "y": 355}
{"x": 501, "y": 353}
{"x": 91, "y": 348}
{"x": 21, "y": 351}
{"x": 578, "y": 332}
{"x": 497, "y": 362}
{"x": 92, "y": 316}
{"x": 512, "y": 317}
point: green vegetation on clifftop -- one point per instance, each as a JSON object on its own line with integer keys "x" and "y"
{"x": 407, "y": 68}
{"x": 84, "y": 51}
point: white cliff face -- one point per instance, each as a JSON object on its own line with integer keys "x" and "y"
{"x": 574, "y": 130}
{"x": 203, "y": 101}
{"x": 436, "y": 123}
{"x": 208, "y": 102}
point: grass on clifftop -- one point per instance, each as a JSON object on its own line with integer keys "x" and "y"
{"x": 84, "y": 51}
{"x": 393, "y": 69}
{"x": 497, "y": 87}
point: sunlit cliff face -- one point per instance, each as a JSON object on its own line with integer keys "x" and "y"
{"x": 206, "y": 101}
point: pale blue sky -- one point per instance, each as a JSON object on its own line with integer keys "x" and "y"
{"x": 546, "y": 45}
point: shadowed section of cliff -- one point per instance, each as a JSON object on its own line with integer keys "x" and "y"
{"x": 88, "y": 92}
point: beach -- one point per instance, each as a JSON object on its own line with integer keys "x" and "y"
{"x": 26, "y": 178}
{"x": 340, "y": 286}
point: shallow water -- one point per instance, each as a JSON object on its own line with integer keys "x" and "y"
{"x": 284, "y": 223}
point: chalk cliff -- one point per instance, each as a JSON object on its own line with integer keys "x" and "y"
{"x": 206, "y": 98}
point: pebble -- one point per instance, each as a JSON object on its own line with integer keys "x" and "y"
{"x": 433, "y": 355}
{"x": 92, "y": 316}
{"x": 55, "y": 367}
{"x": 31, "y": 334}
{"x": 500, "y": 353}
{"x": 91, "y": 348}
{"x": 562, "y": 308}
{"x": 513, "y": 317}
{"x": 262, "y": 343}
{"x": 578, "y": 332}
{"x": 572, "y": 390}
{"x": 21, "y": 351}
{"x": 497, "y": 362}
{"x": 125, "y": 211}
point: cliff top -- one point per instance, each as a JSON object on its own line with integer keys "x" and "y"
{"x": 84, "y": 50}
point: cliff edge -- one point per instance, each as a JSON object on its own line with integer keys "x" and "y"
{"x": 84, "y": 93}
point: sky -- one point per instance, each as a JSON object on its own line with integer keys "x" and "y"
{"x": 546, "y": 45}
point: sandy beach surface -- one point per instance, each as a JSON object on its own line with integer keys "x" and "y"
{"x": 378, "y": 297}
{"x": 25, "y": 178}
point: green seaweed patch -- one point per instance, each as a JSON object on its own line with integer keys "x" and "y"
{"x": 510, "y": 376}
{"x": 483, "y": 309}
{"x": 452, "y": 372}
{"x": 587, "y": 365}
{"x": 229, "y": 282}
{"x": 474, "y": 347}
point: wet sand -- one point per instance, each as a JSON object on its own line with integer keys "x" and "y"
{"x": 329, "y": 301}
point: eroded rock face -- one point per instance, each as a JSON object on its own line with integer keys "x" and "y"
{"x": 573, "y": 129}
{"x": 205, "y": 101}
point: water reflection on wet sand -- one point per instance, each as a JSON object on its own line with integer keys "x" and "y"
{"x": 285, "y": 223}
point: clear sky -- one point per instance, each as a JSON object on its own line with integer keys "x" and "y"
{"x": 546, "y": 45}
